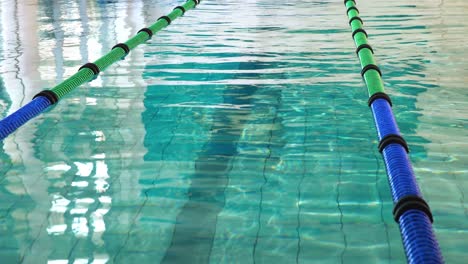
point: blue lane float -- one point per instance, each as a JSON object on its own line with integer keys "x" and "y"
{"x": 23, "y": 115}
{"x": 410, "y": 211}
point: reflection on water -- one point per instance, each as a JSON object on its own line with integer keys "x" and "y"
{"x": 56, "y": 176}
{"x": 234, "y": 137}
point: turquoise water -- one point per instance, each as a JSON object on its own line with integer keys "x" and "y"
{"x": 240, "y": 134}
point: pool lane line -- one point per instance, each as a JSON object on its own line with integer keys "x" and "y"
{"x": 411, "y": 211}
{"x": 195, "y": 229}
{"x": 87, "y": 72}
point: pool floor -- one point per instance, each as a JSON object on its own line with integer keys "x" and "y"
{"x": 239, "y": 134}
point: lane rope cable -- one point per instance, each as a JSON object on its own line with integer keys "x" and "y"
{"x": 411, "y": 211}
{"x": 87, "y": 72}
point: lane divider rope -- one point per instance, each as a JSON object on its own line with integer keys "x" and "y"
{"x": 411, "y": 211}
{"x": 87, "y": 72}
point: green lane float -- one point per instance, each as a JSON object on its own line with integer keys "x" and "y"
{"x": 411, "y": 211}
{"x": 87, "y": 72}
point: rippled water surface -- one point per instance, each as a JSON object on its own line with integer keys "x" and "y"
{"x": 239, "y": 134}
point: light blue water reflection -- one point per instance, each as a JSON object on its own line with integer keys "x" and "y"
{"x": 240, "y": 134}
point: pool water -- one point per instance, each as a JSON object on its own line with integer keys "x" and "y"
{"x": 239, "y": 134}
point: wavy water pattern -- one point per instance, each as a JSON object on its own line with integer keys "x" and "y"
{"x": 239, "y": 134}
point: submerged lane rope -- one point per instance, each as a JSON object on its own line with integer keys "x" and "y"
{"x": 87, "y": 72}
{"x": 411, "y": 211}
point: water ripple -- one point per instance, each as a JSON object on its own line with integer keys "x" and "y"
{"x": 238, "y": 134}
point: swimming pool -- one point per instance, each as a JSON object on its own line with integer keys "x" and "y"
{"x": 239, "y": 134}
